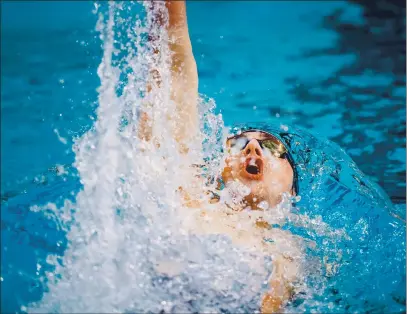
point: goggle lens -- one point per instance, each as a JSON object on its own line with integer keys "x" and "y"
{"x": 266, "y": 141}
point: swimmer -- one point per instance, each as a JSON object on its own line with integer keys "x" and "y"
{"x": 256, "y": 159}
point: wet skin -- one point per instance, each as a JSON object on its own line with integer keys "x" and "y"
{"x": 267, "y": 175}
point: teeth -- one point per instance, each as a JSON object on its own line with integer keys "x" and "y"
{"x": 252, "y": 162}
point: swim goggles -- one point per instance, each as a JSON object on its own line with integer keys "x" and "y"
{"x": 265, "y": 140}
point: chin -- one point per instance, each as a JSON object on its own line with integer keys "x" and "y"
{"x": 251, "y": 178}
{"x": 255, "y": 183}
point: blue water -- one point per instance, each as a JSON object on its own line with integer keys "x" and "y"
{"x": 336, "y": 69}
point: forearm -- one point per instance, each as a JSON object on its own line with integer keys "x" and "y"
{"x": 177, "y": 13}
{"x": 184, "y": 78}
{"x": 285, "y": 272}
{"x": 279, "y": 294}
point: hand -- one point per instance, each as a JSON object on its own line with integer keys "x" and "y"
{"x": 271, "y": 304}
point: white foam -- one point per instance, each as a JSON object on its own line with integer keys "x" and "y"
{"x": 131, "y": 241}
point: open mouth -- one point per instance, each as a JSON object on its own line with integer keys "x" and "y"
{"x": 253, "y": 169}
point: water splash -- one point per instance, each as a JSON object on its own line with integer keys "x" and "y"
{"x": 132, "y": 244}
{"x": 129, "y": 248}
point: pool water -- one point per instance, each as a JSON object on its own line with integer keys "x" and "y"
{"x": 326, "y": 71}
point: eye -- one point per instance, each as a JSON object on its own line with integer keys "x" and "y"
{"x": 271, "y": 145}
{"x": 236, "y": 145}
{"x": 277, "y": 149}
{"x": 240, "y": 143}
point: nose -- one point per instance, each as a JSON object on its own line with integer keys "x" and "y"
{"x": 253, "y": 148}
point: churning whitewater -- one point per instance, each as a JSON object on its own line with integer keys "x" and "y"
{"x": 132, "y": 244}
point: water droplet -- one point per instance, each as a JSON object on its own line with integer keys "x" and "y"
{"x": 284, "y": 127}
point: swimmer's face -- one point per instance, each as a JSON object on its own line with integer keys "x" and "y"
{"x": 259, "y": 161}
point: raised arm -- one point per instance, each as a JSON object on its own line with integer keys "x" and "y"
{"x": 184, "y": 79}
